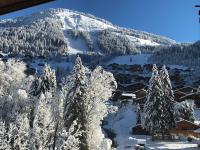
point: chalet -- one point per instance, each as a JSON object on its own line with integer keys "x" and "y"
{"x": 148, "y": 67}
{"x": 185, "y": 128}
{"x": 140, "y": 97}
{"x": 126, "y": 97}
{"x": 135, "y": 87}
{"x": 192, "y": 96}
{"x": 136, "y": 68}
{"x": 140, "y": 93}
{"x": 178, "y": 95}
{"x": 139, "y": 130}
{"x": 131, "y": 87}
{"x": 187, "y": 90}
{"x": 123, "y": 78}
{"x": 115, "y": 95}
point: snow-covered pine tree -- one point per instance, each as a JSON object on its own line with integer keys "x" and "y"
{"x": 138, "y": 115}
{"x": 4, "y": 142}
{"x": 99, "y": 89}
{"x": 69, "y": 140}
{"x": 49, "y": 79}
{"x": 43, "y": 125}
{"x": 166, "y": 83}
{"x": 154, "y": 112}
{"x": 19, "y": 131}
{"x": 85, "y": 101}
{"x": 184, "y": 110}
{"x": 168, "y": 100}
{"x": 74, "y": 101}
{"x": 44, "y": 83}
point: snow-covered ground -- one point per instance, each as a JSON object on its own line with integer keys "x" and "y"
{"x": 74, "y": 20}
{"x": 123, "y": 120}
{"x": 197, "y": 116}
{"x": 131, "y": 59}
{"x": 38, "y": 64}
{"x": 140, "y": 59}
{"x": 177, "y": 67}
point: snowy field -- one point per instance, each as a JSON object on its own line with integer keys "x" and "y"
{"x": 123, "y": 120}
{"x": 126, "y": 59}
{"x": 38, "y": 64}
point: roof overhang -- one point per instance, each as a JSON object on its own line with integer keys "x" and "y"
{"x": 7, "y": 6}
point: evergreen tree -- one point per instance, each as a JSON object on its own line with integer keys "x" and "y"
{"x": 20, "y": 132}
{"x": 166, "y": 83}
{"x": 154, "y": 112}
{"x": 43, "y": 125}
{"x": 138, "y": 115}
{"x": 184, "y": 110}
{"x": 4, "y": 141}
{"x": 168, "y": 99}
{"x": 44, "y": 83}
{"x": 69, "y": 140}
{"x": 75, "y": 98}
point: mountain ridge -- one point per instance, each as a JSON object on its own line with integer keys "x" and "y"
{"x": 63, "y": 31}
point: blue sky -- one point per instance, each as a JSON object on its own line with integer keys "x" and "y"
{"x": 176, "y": 19}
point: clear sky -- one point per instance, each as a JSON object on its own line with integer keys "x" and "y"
{"x": 176, "y": 19}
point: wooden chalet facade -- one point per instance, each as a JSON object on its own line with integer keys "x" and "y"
{"x": 139, "y": 130}
{"x": 185, "y": 128}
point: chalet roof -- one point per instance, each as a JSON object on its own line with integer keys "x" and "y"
{"x": 131, "y": 95}
{"x": 186, "y": 89}
{"x": 7, "y": 6}
{"x": 187, "y": 122}
{"x": 137, "y": 125}
{"x": 141, "y": 100}
{"x": 194, "y": 96}
{"x": 140, "y": 93}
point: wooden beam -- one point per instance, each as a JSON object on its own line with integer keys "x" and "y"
{"x": 7, "y": 6}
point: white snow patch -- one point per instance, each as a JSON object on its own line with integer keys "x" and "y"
{"x": 76, "y": 45}
{"x": 139, "y": 41}
{"x": 197, "y": 116}
{"x": 73, "y": 20}
{"x": 54, "y": 64}
{"x": 121, "y": 124}
{"x": 129, "y": 95}
{"x": 131, "y": 59}
{"x": 177, "y": 67}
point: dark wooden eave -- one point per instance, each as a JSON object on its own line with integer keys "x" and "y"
{"x": 7, "y": 6}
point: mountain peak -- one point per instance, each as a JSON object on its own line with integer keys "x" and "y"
{"x": 63, "y": 31}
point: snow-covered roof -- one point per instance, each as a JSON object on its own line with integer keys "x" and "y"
{"x": 183, "y": 120}
{"x": 129, "y": 95}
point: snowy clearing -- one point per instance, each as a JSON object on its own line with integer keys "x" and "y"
{"x": 131, "y": 59}
{"x": 124, "y": 119}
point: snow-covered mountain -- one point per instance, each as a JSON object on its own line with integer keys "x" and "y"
{"x": 63, "y": 31}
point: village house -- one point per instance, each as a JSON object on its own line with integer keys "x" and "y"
{"x": 185, "y": 128}
{"x": 139, "y": 130}
{"x": 115, "y": 95}
{"x": 140, "y": 97}
{"x": 177, "y": 95}
{"x": 187, "y": 90}
{"x": 127, "y": 97}
{"x": 193, "y": 96}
